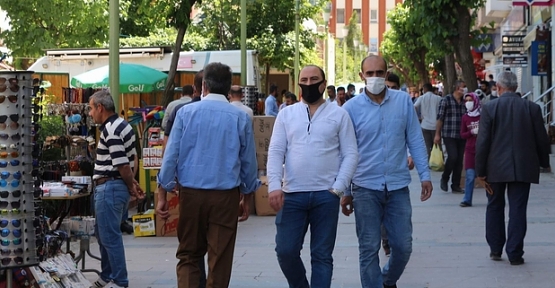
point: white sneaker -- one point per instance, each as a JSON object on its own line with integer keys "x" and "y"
{"x": 113, "y": 285}
{"x": 99, "y": 283}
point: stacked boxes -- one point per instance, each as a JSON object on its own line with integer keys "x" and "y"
{"x": 168, "y": 227}
{"x": 263, "y": 127}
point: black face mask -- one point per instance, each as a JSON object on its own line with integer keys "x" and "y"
{"x": 311, "y": 93}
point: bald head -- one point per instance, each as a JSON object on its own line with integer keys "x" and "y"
{"x": 235, "y": 92}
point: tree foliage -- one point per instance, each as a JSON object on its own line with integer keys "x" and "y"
{"x": 48, "y": 24}
{"x": 352, "y": 56}
{"x": 140, "y": 17}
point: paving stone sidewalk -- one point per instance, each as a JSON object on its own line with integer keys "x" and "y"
{"x": 449, "y": 248}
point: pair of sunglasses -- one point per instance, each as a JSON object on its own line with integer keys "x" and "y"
{"x": 4, "y": 164}
{"x": 6, "y": 242}
{"x": 11, "y": 98}
{"x": 17, "y": 260}
{"x": 5, "y": 175}
{"x": 7, "y": 252}
{"x": 6, "y": 232}
{"x": 11, "y": 146}
{"x": 6, "y": 194}
{"x": 13, "y": 154}
{"x": 14, "y": 137}
{"x": 15, "y": 223}
{"x": 13, "y": 183}
{"x": 13, "y": 117}
{"x": 13, "y": 204}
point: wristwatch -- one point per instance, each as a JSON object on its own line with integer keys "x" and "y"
{"x": 337, "y": 192}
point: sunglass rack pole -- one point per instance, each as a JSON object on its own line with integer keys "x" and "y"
{"x": 17, "y": 238}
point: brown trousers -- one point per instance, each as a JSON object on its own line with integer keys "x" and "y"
{"x": 207, "y": 224}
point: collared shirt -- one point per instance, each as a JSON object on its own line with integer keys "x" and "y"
{"x": 270, "y": 106}
{"x": 384, "y": 131}
{"x": 319, "y": 152}
{"x": 428, "y": 104}
{"x": 334, "y": 101}
{"x": 451, "y": 112}
{"x": 171, "y": 118}
{"x": 171, "y": 107}
{"x": 243, "y": 107}
{"x": 116, "y": 147}
{"x": 211, "y": 147}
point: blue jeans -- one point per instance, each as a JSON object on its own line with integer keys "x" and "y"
{"x": 469, "y": 186}
{"x": 320, "y": 210}
{"x": 111, "y": 200}
{"x": 392, "y": 209}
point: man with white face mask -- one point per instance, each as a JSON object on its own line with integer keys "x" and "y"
{"x": 385, "y": 123}
{"x": 449, "y": 117}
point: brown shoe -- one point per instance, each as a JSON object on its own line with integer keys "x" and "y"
{"x": 386, "y": 248}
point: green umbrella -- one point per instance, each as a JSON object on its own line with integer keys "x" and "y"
{"x": 134, "y": 78}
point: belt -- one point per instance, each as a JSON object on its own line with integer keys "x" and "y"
{"x": 100, "y": 181}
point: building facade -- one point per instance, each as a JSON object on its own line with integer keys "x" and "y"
{"x": 372, "y": 18}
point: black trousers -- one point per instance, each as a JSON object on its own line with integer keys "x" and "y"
{"x": 517, "y": 194}
{"x": 454, "y": 162}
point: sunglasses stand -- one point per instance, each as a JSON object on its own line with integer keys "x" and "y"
{"x": 18, "y": 209}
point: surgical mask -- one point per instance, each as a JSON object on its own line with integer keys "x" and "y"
{"x": 375, "y": 85}
{"x": 494, "y": 93}
{"x": 469, "y": 106}
{"x": 465, "y": 90}
{"x": 311, "y": 93}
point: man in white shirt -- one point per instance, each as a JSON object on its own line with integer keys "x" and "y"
{"x": 235, "y": 95}
{"x": 428, "y": 105}
{"x": 314, "y": 140}
{"x": 185, "y": 98}
{"x": 331, "y": 95}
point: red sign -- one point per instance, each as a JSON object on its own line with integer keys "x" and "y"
{"x": 533, "y": 3}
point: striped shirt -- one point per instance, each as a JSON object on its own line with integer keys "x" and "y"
{"x": 115, "y": 148}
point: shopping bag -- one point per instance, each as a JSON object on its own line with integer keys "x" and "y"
{"x": 436, "y": 159}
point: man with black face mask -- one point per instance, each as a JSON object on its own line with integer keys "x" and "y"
{"x": 316, "y": 142}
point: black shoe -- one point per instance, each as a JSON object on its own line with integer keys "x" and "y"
{"x": 443, "y": 185}
{"x": 390, "y": 286}
{"x": 456, "y": 189}
{"x": 465, "y": 204}
{"x": 126, "y": 228}
{"x": 495, "y": 256}
{"x": 518, "y": 261}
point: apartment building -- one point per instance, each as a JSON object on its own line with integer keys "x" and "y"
{"x": 372, "y": 18}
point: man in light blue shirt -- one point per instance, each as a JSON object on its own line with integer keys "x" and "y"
{"x": 386, "y": 124}
{"x": 270, "y": 106}
{"x": 211, "y": 154}
{"x": 314, "y": 140}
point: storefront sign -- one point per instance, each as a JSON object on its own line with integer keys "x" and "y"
{"x": 512, "y": 44}
{"x": 539, "y": 58}
{"x": 533, "y": 3}
{"x": 515, "y": 60}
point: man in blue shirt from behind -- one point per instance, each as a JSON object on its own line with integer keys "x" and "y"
{"x": 211, "y": 154}
{"x": 270, "y": 105}
{"x": 385, "y": 124}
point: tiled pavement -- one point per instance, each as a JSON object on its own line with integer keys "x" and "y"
{"x": 449, "y": 248}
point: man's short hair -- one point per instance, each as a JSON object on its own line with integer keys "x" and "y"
{"x": 322, "y": 73}
{"x": 428, "y": 87}
{"x": 350, "y": 86}
{"x": 217, "y": 77}
{"x": 483, "y": 82}
{"x": 273, "y": 88}
{"x": 392, "y": 77}
{"x": 291, "y": 96}
{"x": 187, "y": 90}
{"x": 198, "y": 80}
{"x": 340, "y": 89}
{"x": 331, "y": 87}
{"x": 104, "y": 98}
{"x": 507, "y": 80}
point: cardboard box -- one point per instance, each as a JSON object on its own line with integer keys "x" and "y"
{"x": 262, "y": 144}
{"x": 144, "y": 224}
{"x": 262, "y": 205}
{"x": 263, "y": 126}
{"x": 262, "y": 160}
{"x": 168, "y": 227}
{"x": 151, "y": 182}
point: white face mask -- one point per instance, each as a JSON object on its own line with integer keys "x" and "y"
{"x": 375, "y": 85}
{"x": 469, "y": 106}
{"x": 494, "y": 93}
{"x": 464, "y": 90}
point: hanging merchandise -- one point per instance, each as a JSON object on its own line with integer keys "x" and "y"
{"x": 20, "y": 213}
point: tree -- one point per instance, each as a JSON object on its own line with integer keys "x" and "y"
{"x": 48, "y": 24}
{"x": 352, "y": 59}
{"x": 449, "y": 23}
{"x": 178, "y": 17}
{"x": 141, "y": 17}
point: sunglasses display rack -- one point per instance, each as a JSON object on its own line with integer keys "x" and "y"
{"x": 19, "y": 210}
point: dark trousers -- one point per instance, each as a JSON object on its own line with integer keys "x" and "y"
{"x": 207, "y": 224}
{"x": 517, "y": 194}
{"x": 454, "y": 162}
{"x": 429, "y": 136}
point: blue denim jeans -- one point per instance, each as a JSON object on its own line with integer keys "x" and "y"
{"x": 111, "y": 200}
{"x": 392, "y": 209}
{"x": 320, "y": 210}
{"x": 469, "y": 185}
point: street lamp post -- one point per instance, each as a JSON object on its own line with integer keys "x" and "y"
{"x": 326, "y": 15}
{"x": 345, "y": 31}
{"x": 297, "y": 57}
